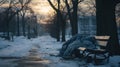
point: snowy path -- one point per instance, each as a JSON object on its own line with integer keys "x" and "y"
{"x": 47, "y": 47}
{"x": 21, "y": 46}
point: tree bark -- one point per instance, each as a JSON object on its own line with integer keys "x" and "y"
{"x": 58, "y": 18}
{"x": 75, "y": 17}
{"x": 23, "y": 24}
{"x": 106, "y": 24}
{"x": 63, "y": 27}
{"x": 60, "y": 21}
{"x": 28, "y": 32}
{"x": 18, "y": 26}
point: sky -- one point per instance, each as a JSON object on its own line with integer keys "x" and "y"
{"x": 41, "y": 7}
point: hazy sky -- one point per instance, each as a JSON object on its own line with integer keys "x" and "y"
{"x": 41, "y": 7}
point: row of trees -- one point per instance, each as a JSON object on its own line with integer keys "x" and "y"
{"x": 16, "y": 17}
{"x": 66, "y": 9}
{"x": 105, "y": 15}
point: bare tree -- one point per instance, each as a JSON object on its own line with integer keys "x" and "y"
{"x": 18, "y": 24}
{"x": 23, "y": 13}
{"x": 31, "y": 24}
{"x": 14, "y": 7}
{"x": 2, "y": 2}
{"x": 72, "y": 12}
{"x": 60, "y": 20}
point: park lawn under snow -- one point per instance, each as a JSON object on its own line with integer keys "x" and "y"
{"x": 47, "y": 48}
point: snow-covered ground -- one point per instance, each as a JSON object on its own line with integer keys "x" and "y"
{"x": 47, "y": 48}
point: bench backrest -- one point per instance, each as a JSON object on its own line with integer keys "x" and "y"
{"x": 102, "y": 40}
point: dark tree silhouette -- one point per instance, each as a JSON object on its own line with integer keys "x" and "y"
{"x": 60, "y": 21}
{"x": 106, "y": 23}
{"x": 18, "y": 25}
{"x": 73, "y": 16}
{"x": 12, "y": 10}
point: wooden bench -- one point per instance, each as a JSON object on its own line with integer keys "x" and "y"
{"x": 100, "y": 49}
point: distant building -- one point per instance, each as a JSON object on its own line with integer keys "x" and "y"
{"x": 87, "y": 25}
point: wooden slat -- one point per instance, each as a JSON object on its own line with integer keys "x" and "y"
{"x": 102, "y": 40}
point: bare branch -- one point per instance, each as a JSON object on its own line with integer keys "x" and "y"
{"x": 52, "y": 5}
{"x": 2, "y": 2}
{"x": 80, "y": 1}
{"x": 68, "y": 7}
{"x": 14, "y": 8}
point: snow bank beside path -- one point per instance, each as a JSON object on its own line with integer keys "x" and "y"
{"x": 21, "y": 46}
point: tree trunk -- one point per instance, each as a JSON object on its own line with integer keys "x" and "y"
{"x": 8, "y": 30}
{"x": 58, "y": 21}
{"x": 28, "y": 32}
{"x": 106, "y": 24}
{"x": 35, "y": 31}
{"x": 7, "y": 26}
{"x": 63, "y": 27}
{"x": 60, "y": 24}
{"x": 75, "y": 17}
{"x": 18, "y": 26}
{"x": 23, "y": 24}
